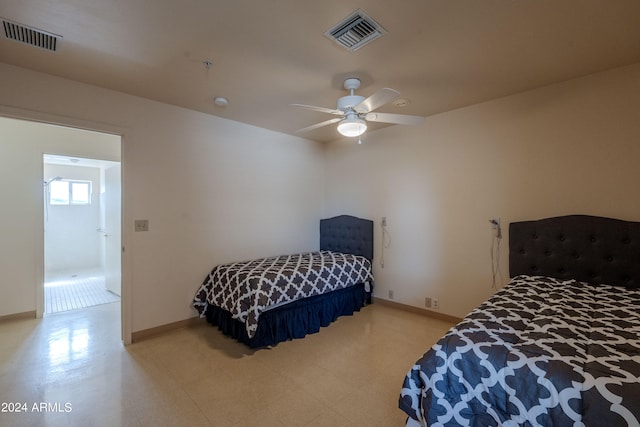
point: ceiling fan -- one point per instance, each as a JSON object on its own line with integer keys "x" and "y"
{"x": 355, "y": 111}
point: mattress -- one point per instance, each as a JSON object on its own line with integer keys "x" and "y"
{"x": 541, "y": 351}
{"x": 248, "y": 289}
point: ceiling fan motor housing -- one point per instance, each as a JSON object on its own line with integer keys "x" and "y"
{"x": 348, "y": 102}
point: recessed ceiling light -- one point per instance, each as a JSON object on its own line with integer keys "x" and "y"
{"x": 221, "y": 101}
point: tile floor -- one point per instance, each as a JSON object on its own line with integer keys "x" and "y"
{"x": 70, "y": 369}
{"x": 65, "y": 291}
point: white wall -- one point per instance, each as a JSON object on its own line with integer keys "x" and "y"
{"x": 213, "y": 190}
{"x": 71, "y": 239}
{"x": 562, "y": 149}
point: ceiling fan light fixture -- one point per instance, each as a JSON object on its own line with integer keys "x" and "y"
{"x": 352, "y": 126}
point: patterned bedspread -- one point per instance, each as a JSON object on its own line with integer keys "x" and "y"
{"x": 247, "y": 289}
{"x": 541, "y": 351}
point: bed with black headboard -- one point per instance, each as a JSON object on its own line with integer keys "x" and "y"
{"x": 269, "y": 300}
{"x": 559, "y": 345}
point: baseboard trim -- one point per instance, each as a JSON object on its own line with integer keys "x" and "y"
{"x": 418, "y": 310}
{"x": 158, "y": 330}
{"x": 196, "y": 321}
{"x": 18, "y": 316}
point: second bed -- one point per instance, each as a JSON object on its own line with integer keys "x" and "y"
{"x": 265, "y": 301}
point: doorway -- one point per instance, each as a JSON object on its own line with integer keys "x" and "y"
{"x": 26, "y": 136}
{"x": 81, "y": 233}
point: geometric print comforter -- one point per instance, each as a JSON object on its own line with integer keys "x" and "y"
{"x": 539, "y": 352}
{"x": 247, "y": 289}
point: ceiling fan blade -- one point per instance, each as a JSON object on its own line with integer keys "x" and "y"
{"x": 319, "y": 125}
{"x": 321, "y": 109}
{"x": 376, "y": 100}
{"x": 400, "y": 119}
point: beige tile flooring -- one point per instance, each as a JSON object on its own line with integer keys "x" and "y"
{"x": 348, "y": 374}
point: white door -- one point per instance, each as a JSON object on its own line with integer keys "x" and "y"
{"x": 112, "y": 233}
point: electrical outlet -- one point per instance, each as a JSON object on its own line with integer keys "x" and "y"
{"x": 436, "y": 303}
{"x": 384, "y": 221}
{"x": 427, "y": 302}
{"x": 390, "y": 294}
{"x": 141, "y": 225}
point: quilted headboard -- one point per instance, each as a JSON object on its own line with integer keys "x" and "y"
{"x": 586, "y": 248}
{"x": 347, "y": 234}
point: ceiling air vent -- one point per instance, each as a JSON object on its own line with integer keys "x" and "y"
{"x": 29, "y": 35}
{"x": 355, "y": 31}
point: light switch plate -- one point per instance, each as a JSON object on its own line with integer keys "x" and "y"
{"x": 141, "y": 225}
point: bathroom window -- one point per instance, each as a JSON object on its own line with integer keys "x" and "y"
{"x": 70, "y": 193}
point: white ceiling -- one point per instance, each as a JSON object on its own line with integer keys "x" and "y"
{"x": 53, "y": 159}
{"x": 268, "y": 54}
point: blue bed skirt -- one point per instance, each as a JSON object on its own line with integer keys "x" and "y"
{"x": 293, "y": 320}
